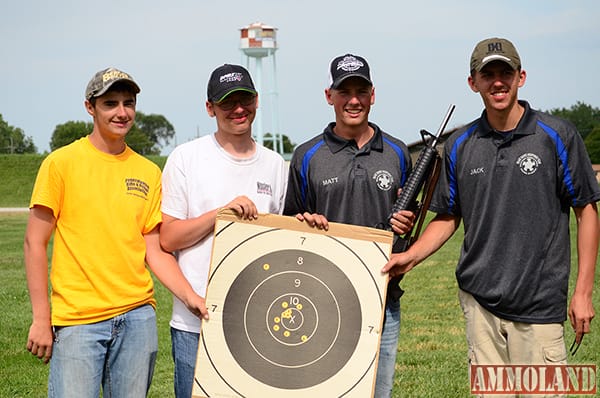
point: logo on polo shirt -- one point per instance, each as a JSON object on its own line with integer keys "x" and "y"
{"x": 264, "y": 188}
{"x": 383, "y": 179}
{"x": 529, "y": 163}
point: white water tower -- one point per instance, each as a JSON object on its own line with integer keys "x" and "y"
{"x": 259, "y": 41}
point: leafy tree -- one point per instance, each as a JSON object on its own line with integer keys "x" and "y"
{"x": 68, "y": 132}
{"x": 139, "y": 141}
{"x": 13, "y": 139}
{"x": 592, "y": 143}
{"x": 288, "y": 145}
{"x": 158, "y": 131}
{"x": 582, "y": 115}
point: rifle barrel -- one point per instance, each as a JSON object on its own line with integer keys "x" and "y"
{"x": 443, "y": 124}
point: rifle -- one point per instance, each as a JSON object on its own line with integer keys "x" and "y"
{"x": 423, "y": 178}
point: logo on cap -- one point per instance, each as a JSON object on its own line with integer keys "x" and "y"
{"x": 349, "y": 64}
{"x": 346, "y": 66}
{"x": 113, "y": 74}
{"x": 494, "y": 49}
{"x": 231, "y": 77}
{"x": 104, "y": 79}
{"x": 227, "y": 79}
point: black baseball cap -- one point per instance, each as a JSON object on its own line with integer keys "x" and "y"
{"x": 346, "y": 66}
{"x": 227, "y": 79}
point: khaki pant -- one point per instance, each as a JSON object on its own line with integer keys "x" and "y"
{"x": 495, "y": 341}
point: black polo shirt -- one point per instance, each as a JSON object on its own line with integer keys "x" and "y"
{"x": 514, "y": 192}
{"x": 332, "y": 176}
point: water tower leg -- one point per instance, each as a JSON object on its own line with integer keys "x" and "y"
{"x": 258, "y": 120}
{"x": 277, "y": 138}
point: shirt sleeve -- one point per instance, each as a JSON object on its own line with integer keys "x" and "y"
{"x": 48, "y": 190}
{"x": 295, "y": 197}
{"x": 445, "y": 195}
{"x": 174, "y": 192}
{"x": 579, "y": 183}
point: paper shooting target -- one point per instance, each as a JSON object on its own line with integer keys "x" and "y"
{"x": 293, "y": 310}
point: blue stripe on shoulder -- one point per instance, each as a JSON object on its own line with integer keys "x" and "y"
{"x": 561, "y": 152}
{"x": 304, "y": 170}
{"x": 452, "y": 183}
{"x": 400, "y": 154}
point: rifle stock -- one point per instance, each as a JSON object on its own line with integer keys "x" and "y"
{"x": 422, "y": 179}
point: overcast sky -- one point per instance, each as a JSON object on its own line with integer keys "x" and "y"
{"x": 418, "y": 53}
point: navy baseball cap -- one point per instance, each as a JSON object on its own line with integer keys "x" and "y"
{"x": 346, "y": 66}
{"x": 227, "y": 79}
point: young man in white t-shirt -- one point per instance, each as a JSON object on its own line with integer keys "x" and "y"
{"x": 226, "y": 169}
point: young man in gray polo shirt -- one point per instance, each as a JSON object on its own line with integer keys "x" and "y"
{"x": 351, "y": 173}
{"x": 513, "y": 176}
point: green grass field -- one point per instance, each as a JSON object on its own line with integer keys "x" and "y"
{"x": 431, "y": 353}
{"x": 18, "y": 172}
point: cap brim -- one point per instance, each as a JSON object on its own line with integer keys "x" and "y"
{"x": 136, "y": 88}
{"x": 496, "y": 57}
{"x": 340, "y": 80}
{"x": 222, "y": 97}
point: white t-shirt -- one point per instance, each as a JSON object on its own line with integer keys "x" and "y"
{"x": 200, "y": 176}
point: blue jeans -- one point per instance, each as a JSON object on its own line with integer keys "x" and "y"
{"x": 184, "y": 348}
{"x": 388, "y": 349}
{"x": 118, "y": 354}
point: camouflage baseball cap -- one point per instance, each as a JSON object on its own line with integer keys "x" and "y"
{"x": 104, "y": 79}
{"x": 494, "y": 49}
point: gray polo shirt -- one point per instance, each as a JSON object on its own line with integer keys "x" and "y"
{"x": 332, "y": 176}
{"x": 514, "y": 192}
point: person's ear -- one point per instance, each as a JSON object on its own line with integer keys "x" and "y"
{"x": 210, "y": 109}
{"x": 89, "y": 108}
{"x": 522, "y": 78}
{"x": 328, "y": 96}
{"x": 471, "y": 81}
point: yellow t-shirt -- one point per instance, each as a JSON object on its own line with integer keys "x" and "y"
{"x": 103, "y": 204}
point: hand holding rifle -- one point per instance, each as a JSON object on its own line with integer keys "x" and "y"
{"x": 420, "y": 185}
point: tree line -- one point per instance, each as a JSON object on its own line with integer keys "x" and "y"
{"x": 151, "y": 133}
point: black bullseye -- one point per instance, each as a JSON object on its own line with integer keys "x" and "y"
{"x": 289, "y": 313}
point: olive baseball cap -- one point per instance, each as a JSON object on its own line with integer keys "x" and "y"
{"x": 494, "y": 49}
{"x": 104, "y": 79}
{"x": 346, "y": 66}
{"x": 227, "y": 79}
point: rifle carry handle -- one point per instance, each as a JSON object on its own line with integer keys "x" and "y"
{"x": 407, "y": 200}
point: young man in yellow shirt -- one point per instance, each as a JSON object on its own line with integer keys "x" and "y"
{"x": 101, "y": 200}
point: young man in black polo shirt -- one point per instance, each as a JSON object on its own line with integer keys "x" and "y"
{"x": 513, "y": 176}
{"x": 351, "y": 173}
